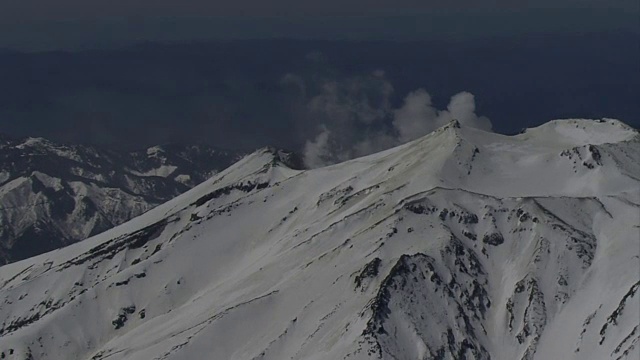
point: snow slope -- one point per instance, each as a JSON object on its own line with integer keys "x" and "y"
{"x": 460, "y": 245}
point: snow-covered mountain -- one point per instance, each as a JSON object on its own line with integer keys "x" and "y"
{"x": 52, "y": 195}
{"x": 460, "y": 245}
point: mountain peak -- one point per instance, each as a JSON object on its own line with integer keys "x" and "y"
{"x": 155, "y": 151}
{"x": 34, "y": 142}
{"x": 454, "y": 123}
{"x": 264, "y": 166}
{"x": 283, "y": 157}
{"x": 579, "y": 132}
{"x": 463, "y": 243}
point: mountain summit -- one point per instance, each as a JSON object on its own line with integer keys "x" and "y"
{"x": 462, "y": 244}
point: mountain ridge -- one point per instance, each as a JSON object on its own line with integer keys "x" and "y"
{"x": 267, "y": 262}
{"x": 56, "y": 194}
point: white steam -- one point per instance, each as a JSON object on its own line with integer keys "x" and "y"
{"x": 354, "y": 116}
{"x": 418, "y": 117}
{"x": 317, "y": 151}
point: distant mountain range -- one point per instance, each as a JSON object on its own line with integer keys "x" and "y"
{"x": 52, "y": 195}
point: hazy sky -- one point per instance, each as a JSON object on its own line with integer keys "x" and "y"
{"x": 335, "y": 78}
{"x": 253, "y": 93}
{"x": 27, "y": 10}
{"x": 72, "y": 24}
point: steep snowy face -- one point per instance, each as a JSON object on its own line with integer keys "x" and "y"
{"x": 53, "y": 195}
{"x": 461, "y": 244}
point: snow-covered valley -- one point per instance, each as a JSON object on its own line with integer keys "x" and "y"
{"x": 463, "y": 244}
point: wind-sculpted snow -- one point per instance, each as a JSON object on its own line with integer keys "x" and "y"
{"x": 459, "y": 245}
